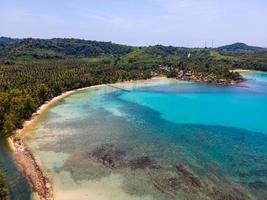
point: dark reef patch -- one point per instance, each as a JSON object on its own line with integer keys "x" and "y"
{"x": 143, "y": 162}
{"x": 108, "y": 155}
{"x": 169, "y": 180}
{"x": 188, "y": 177}
{"x": 234, "y": 195}
{"x": 168, "y": 186}
{"x": 258, "y": 185}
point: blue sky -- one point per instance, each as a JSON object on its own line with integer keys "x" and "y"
{"x": 139, "y": 22}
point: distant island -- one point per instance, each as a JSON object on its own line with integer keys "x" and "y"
{"x": 34, "y": 71}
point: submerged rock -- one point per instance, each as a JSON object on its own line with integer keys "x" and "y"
{"x": 108, "y": 155}
{"x": 258, "y": 185}
{"x": 142, "y": 162}
{"x": 234, "y": 194}
{"x": 168, "y": 186}
{"x": 189, "y": 178}
{"x": 173, "y": 181}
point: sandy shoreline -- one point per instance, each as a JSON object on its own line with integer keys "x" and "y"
{"x": 30, "y": 124}
{"x": 40, "y": 183}
{"x": 245, "y": 71}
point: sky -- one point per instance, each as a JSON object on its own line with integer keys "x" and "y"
{"x": 139, "y": 22}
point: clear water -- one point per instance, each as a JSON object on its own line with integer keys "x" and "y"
{"x": 217, "y": 134}
{"x": 15, "y": 181}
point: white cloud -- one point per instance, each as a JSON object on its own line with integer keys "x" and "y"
{"x": 108, "y": 19}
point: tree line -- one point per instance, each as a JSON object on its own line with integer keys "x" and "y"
{"x": 23, "y": 88}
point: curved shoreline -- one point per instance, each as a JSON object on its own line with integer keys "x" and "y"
{"x": 41, "y": 185}
{"x": 39, "y": 180}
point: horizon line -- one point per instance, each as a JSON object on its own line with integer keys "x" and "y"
{"x": 148, "y": 45}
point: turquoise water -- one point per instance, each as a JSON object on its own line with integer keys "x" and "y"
{"x": 197, "y": 103}
{"x": 161, "y": 140}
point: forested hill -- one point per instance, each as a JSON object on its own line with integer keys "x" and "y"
{"x": 241, "y": 48}
{"x": 238, "y": 55}
{"x": 5, "y": 41}
{"x": 58, "y": 48}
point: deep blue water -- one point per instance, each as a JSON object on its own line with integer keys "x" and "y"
{"x": 219, "y": 133}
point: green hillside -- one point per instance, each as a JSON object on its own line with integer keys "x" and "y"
{"x": 6, "y": 41}
{"x": 38, "y": 49}
{"x": 237, "y": 55}
{"x": 241, "y": 48}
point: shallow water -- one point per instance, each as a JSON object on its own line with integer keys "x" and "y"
{"x": 166, "y": 140}
{"x": 15, "y": 181}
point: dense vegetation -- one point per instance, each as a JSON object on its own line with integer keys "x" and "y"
{"x": 36, "y": 49}
{"x": 24, "y": 87}
{"x": 33, "y": 71}
{"x": 3, "y": 189}
{"x": 240, "y": 55}
{"x": 5, "y": 41}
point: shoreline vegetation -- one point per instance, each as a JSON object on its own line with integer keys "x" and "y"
{"x": 38, "y": 178}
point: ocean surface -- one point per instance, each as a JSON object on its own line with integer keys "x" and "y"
{"x": 162, "y": 140}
